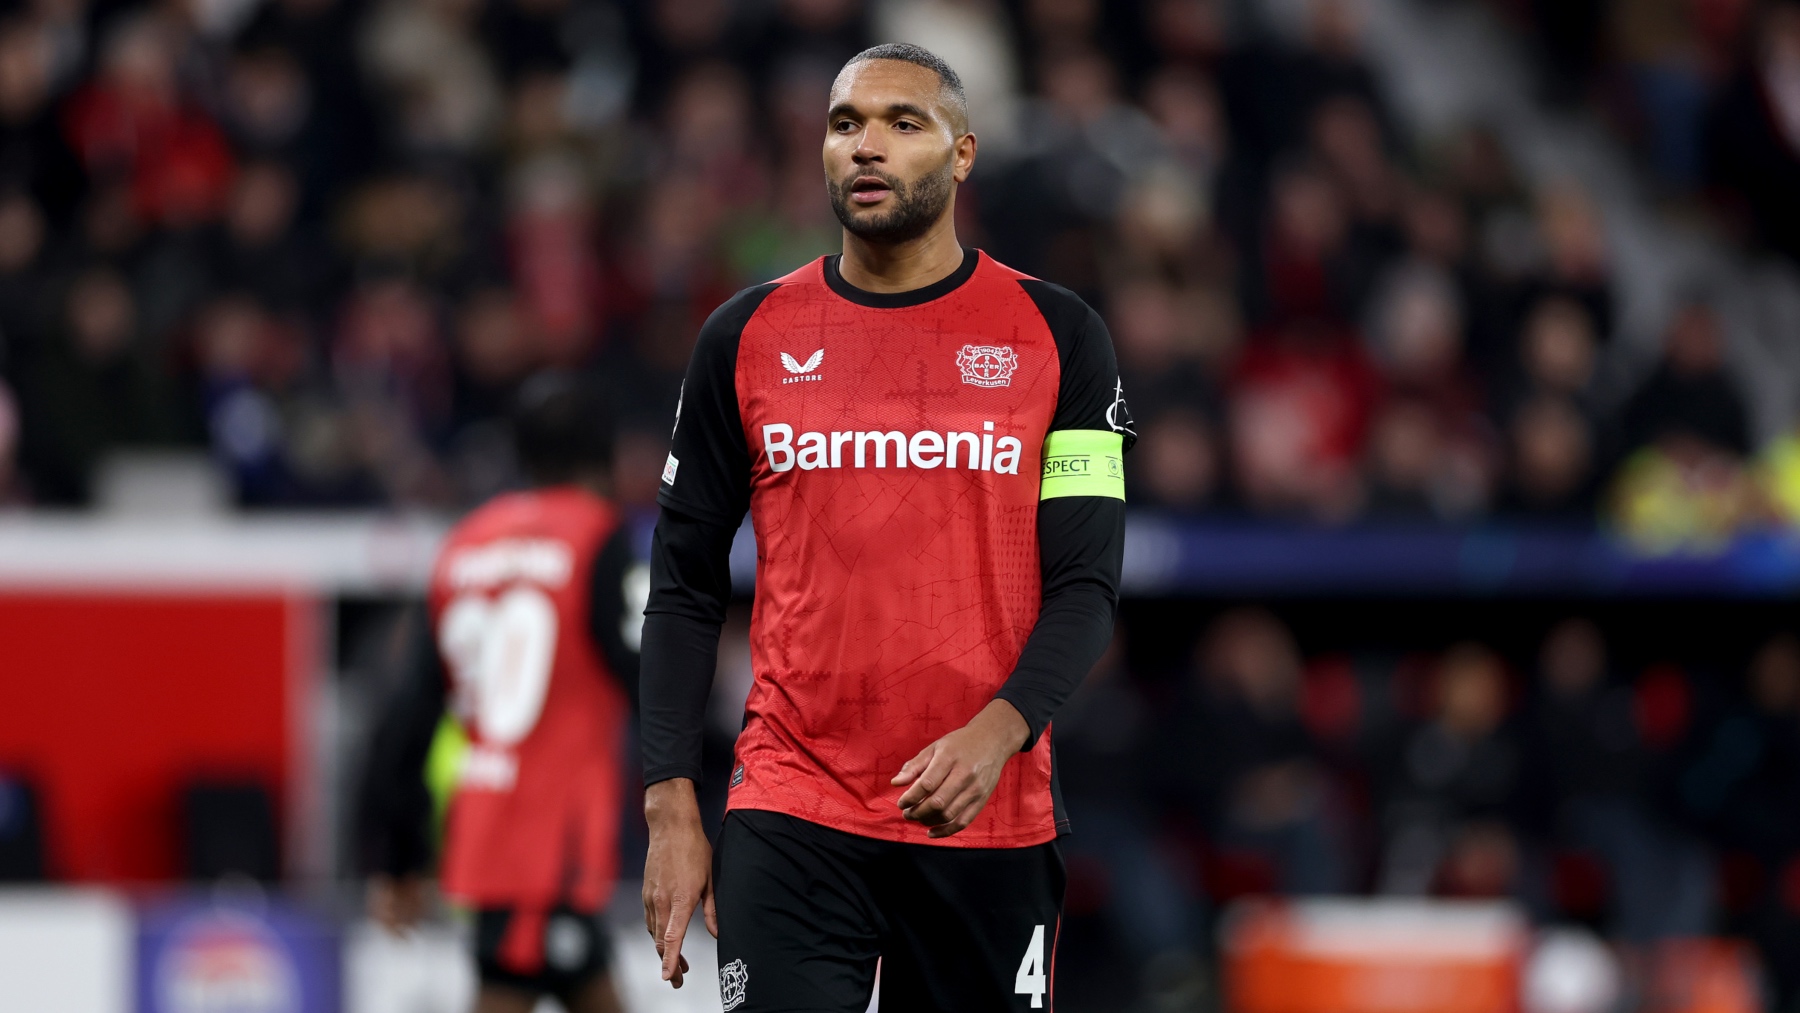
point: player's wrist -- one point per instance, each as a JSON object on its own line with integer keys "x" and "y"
{"x": 671, "y": 803}
{"x": 1007, "y": 723}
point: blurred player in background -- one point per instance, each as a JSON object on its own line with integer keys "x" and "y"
{"x": 930, "y": 446}
{"x": 532, "y": 648}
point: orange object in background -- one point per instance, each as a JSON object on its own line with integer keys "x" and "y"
{"x": 111, "y": 701}
{"x": 1703, "y": 976}
{"x": 1348, "y": 956}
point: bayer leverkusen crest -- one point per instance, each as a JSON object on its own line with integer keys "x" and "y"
{"x": 987, "y": 365}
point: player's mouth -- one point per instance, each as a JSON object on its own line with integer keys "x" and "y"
{"x": 869, "y": 189}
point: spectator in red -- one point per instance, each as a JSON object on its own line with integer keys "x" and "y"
{"x": 1302, "y": 264}
{"x": 550, "y": 236}
{"x": 1300, "y": 400}
{"x": 133, "y": 122}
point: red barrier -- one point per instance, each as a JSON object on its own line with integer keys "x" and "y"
{"x": 111, "y": 701}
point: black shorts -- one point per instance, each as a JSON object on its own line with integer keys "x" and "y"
{"x": 805, "y": 912}
{"x": 553, "y": 952}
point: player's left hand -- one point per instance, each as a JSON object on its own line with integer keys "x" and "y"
{"x": 952, "y": 779}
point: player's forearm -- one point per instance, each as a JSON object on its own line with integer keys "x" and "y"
{"x": 680, "y": 655}
{"x": 690, "y": 586}
{"x": 1069, "y": 638}
{"x": 1082, "y": 545}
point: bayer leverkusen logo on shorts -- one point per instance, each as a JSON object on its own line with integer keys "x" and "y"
{"x": 734, "y": 978}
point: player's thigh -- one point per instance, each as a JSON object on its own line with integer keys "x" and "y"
{"x": 798, "y": 924}
{"x": 971, "y": 928}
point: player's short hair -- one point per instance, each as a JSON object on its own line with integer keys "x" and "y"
{"x": 919, "y": 56}
{"x": 562, "y": 427}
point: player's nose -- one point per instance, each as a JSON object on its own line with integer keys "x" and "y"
{"x": 867, "y": 150}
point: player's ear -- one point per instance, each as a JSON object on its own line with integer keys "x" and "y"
{"x": 965, "y": 156}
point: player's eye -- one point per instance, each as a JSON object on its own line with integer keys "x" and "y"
{"x": 844, "y": 126}
{"x": 906, "y": 126}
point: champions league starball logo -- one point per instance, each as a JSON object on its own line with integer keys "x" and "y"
{"x": 987, "y": 365}
{"x": 226, "y": 964}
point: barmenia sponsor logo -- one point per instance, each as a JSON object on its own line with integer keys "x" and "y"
{"x": 892, "y": 449}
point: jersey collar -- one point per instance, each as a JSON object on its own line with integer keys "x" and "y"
{"x": 900, "y": 300}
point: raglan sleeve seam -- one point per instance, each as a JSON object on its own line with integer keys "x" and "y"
{"x": 709, "y": 446}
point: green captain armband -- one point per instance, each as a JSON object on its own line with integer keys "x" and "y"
{"x": 1084, "y": 462}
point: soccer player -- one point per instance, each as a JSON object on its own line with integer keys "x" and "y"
{"x": 930, "y": 447}
{"x": 532, "y": 641}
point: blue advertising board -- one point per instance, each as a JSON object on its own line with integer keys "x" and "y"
{"x": 236, "y": 954}
{"x": 1173, "y": 554}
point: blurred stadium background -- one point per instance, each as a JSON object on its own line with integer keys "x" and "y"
{"x": 1458, "y": 668}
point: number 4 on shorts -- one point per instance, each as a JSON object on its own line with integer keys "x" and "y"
{"x": 1032, "y": 980}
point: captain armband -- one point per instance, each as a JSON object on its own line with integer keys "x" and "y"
{"x": 1084, "y": 462}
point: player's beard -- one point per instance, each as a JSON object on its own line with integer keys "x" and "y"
{"x": 917, "y": 206}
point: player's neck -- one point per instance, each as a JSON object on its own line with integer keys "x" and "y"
{"x": 903, "y": 267}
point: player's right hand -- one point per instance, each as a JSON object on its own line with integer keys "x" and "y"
{"x": 677, "y": 872}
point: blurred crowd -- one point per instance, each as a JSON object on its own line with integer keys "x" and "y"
{"x": 1707, "y": 90}
{"x": 1648, "y": 804}
{"x": 1707, "y": 95}
{"x": 322, "y": 241}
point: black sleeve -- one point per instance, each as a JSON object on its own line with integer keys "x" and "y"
{"x": 690, "y": 587}
{"x": 1091, "y": 395}
{"x": 1081, "y": 543}
{"x": 396, "y": 807}
{"x": 616, "y": 593}
{"x": 707, "y": 474}
{"x": 1081, "y": 539}
{"x": 705, "y": 493}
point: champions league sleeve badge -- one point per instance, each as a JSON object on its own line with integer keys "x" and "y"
{"x": 987, "y": 365}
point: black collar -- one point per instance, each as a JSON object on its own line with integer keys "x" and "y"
{"x": 900, "y": 300}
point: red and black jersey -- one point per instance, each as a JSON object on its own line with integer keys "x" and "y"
{"x": 531, "y": 648}
{"x": 897, "y": 455}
